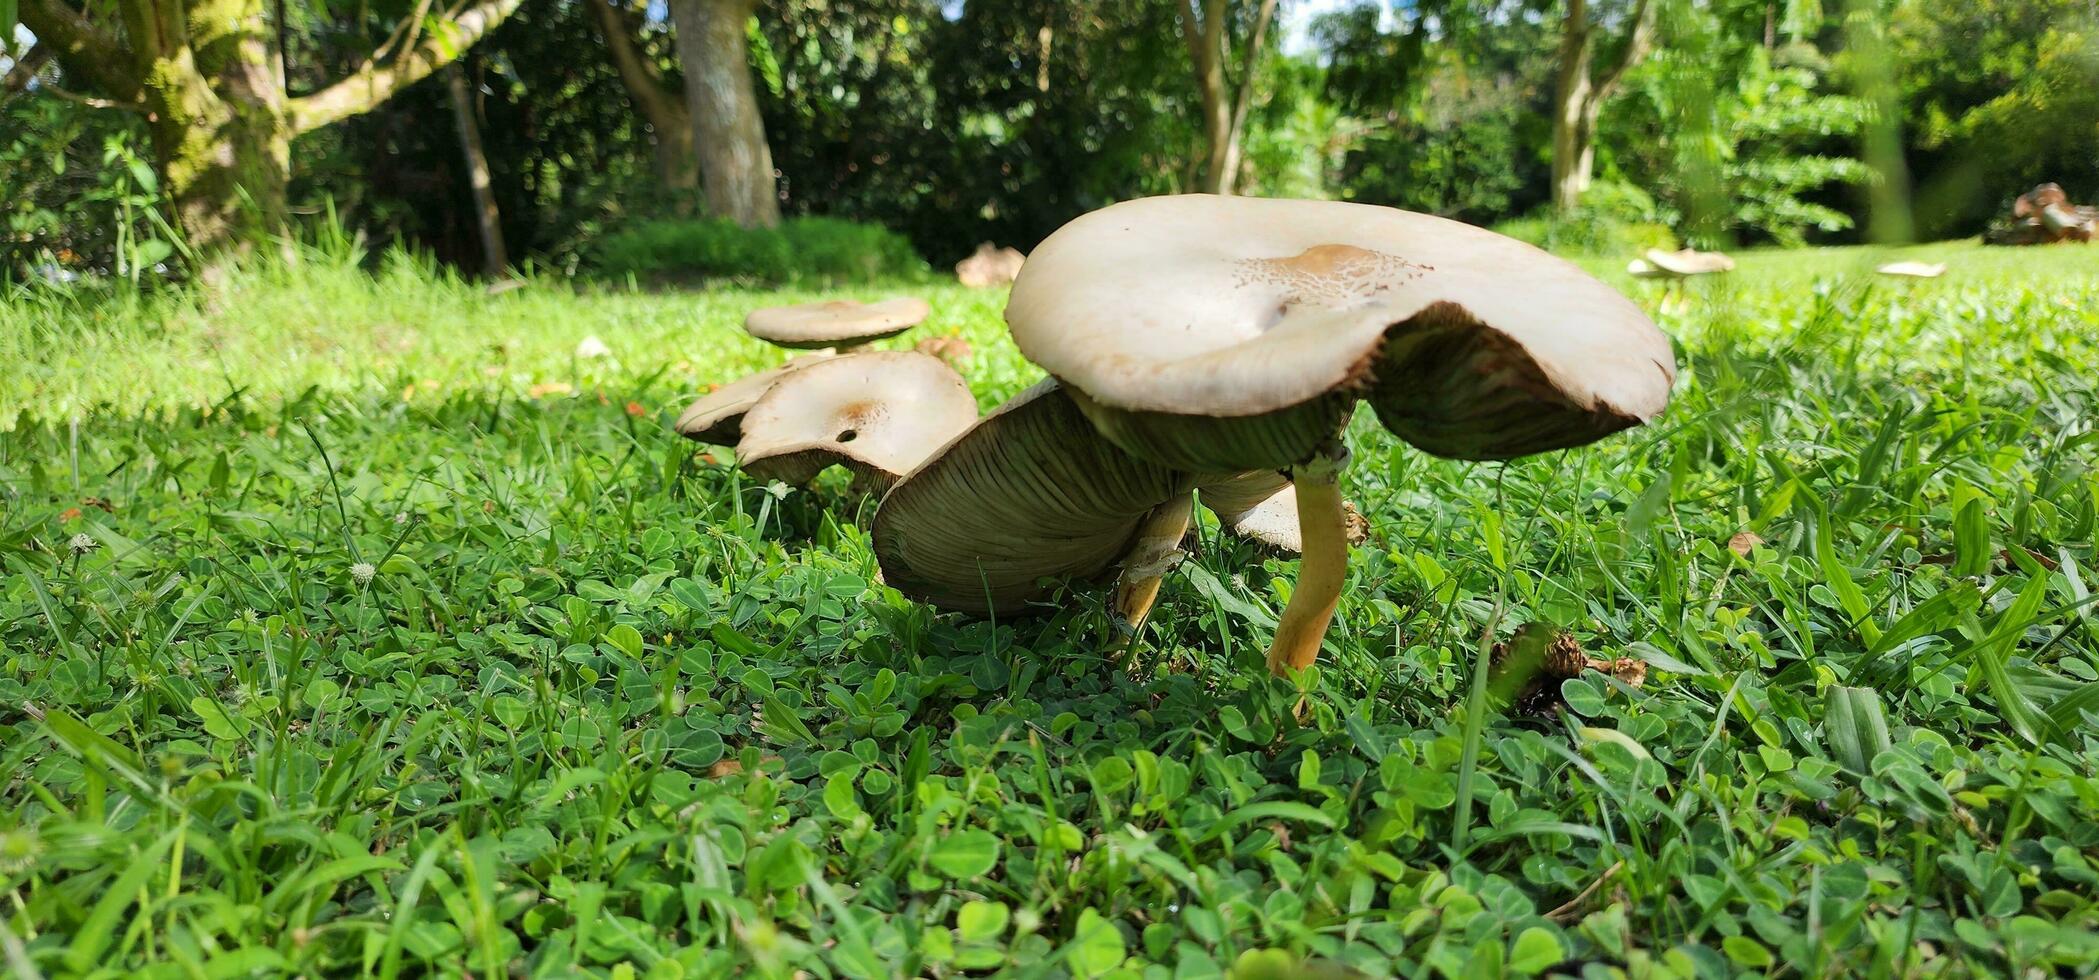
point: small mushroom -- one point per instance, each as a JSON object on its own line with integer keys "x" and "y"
{"x": 1683, "y": 263}
{"x": 1223, "y": 334}
{"x": 717, "y": 417}
{"x": 1261, "y": 506}
{"x": 989, "y": 265}
{"x": 1913, "y": 270}
{"x": 1028, "y": 495}
{"x": 877, "y": 413}
{"x": 835, "y": 324}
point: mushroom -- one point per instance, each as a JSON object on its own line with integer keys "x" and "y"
{"x": 877, "y": 413}
{"x": 1223, "y": 334}
{"x": 717, "y": 417}
{"x": 1682, "y": 263}
{"x": 989, "y": 265}
{"x": 835, "y": 324}
{"x": 1913, "y": 270}
{"x": 1029, "y": 494}
{"x": 1261, "y": 506}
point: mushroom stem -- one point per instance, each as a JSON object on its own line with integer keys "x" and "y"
{"x": 1323, "y": 522}
{"x": 1154, "y": 552}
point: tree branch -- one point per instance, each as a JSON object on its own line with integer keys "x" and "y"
{"x": 1638, "y": 43}
{"x": 374, "y": 84}
{"x": 24, "y": 70}
{"x": 81, "y": 48}
{"x": 663, "y": 106}
{"x": 1245, "y": 99}
{"x": 1191, "y": 32}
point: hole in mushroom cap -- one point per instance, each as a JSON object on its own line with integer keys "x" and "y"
{"x": 1331, "y": 275}
{"x": 849, "y": 435}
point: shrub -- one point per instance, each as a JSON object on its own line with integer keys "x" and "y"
{"x": 1613, "y": 219}
{"x": 678, "y": 249}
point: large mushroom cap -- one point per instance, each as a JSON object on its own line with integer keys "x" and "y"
{"x": 837, "y": 323}
{"x": 877, "y": 413}
{"x": 717, "y": 417}
{"x": 1223, "y": 334}
{"x": 1030, "y": 492}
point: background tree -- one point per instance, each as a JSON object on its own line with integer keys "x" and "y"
{"x": 659, "y": 98}
{"x": 210, "y": 81}
{"x": 1593, "y": 61}
{"x": 1208, "y": 27}
{"x": 736, "y": 164}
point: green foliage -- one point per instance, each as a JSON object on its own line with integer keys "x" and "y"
{"x": 1614, "y": 219}
{"x": 816, "y": 249}
{"x": 1450, "y": 130}
{"x": 2013, "y": 108}
{"x": 1740, "y": 142}
{"x": 82, "y": 198}
{"x": 380, "y": 635}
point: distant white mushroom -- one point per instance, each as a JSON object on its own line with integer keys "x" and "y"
{"x": 1913, "y": 270}
{"x": 1683, "y": 263}
{"x": 592, "y": 348}
{"x": 989, "y": 266}
{"x": 835, "y": 324}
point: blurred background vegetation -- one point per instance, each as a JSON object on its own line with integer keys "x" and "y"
{"x": 950, "y": 122}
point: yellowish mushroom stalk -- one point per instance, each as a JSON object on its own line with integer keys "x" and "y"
{"x": 1322, "y": 520}
{"x": 1155, "y": 552}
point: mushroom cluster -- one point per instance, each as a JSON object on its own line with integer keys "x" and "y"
{"x": 877, "y": 413}
{"x": 1214, "y": 348}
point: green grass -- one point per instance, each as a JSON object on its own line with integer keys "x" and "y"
{"x": 224, "y": 750}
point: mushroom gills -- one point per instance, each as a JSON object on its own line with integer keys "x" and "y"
{"x": 717, "y": 416}
{"x": 1028, "y": 495}
{"x": 1456, "y": 387}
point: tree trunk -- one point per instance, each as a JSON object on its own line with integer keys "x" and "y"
{"x": 670, "y": 123}
{"x": 205, "y": 75}
{"x": 1206, "y": 51}
{"x": 736, "y": 165}
{"x": 495, "y": 258}
{"x": 1573, "y": 141}
{"x": 1579, "y": 95}
{"x": 217, "y": 120}
{"x": 1223, "y": 112}
{"x": 225, "y": 167}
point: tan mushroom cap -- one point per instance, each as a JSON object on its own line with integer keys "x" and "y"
{"x": 1029, "y": 493}
{"x": 717, "y": 417}
{"x": 836, "y": 323}
{"x": 879, "y": 414}
{"x": 1223, "y": 334}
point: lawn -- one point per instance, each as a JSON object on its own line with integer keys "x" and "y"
{"x": 350, "y": 623}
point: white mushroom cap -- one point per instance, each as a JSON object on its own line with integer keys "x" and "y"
{"x": 1196, "y": 309}
{"x": 878, "y": 414}
{"x": 717, "y": 417}
{"x": 1029, "y": 493}
{"x": 836, "y": 323}
{"x": 1688, "y": 262}
{"x": 1913, "y": 270}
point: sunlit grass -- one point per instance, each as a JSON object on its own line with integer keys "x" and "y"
{"x": 358, "y": 627}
